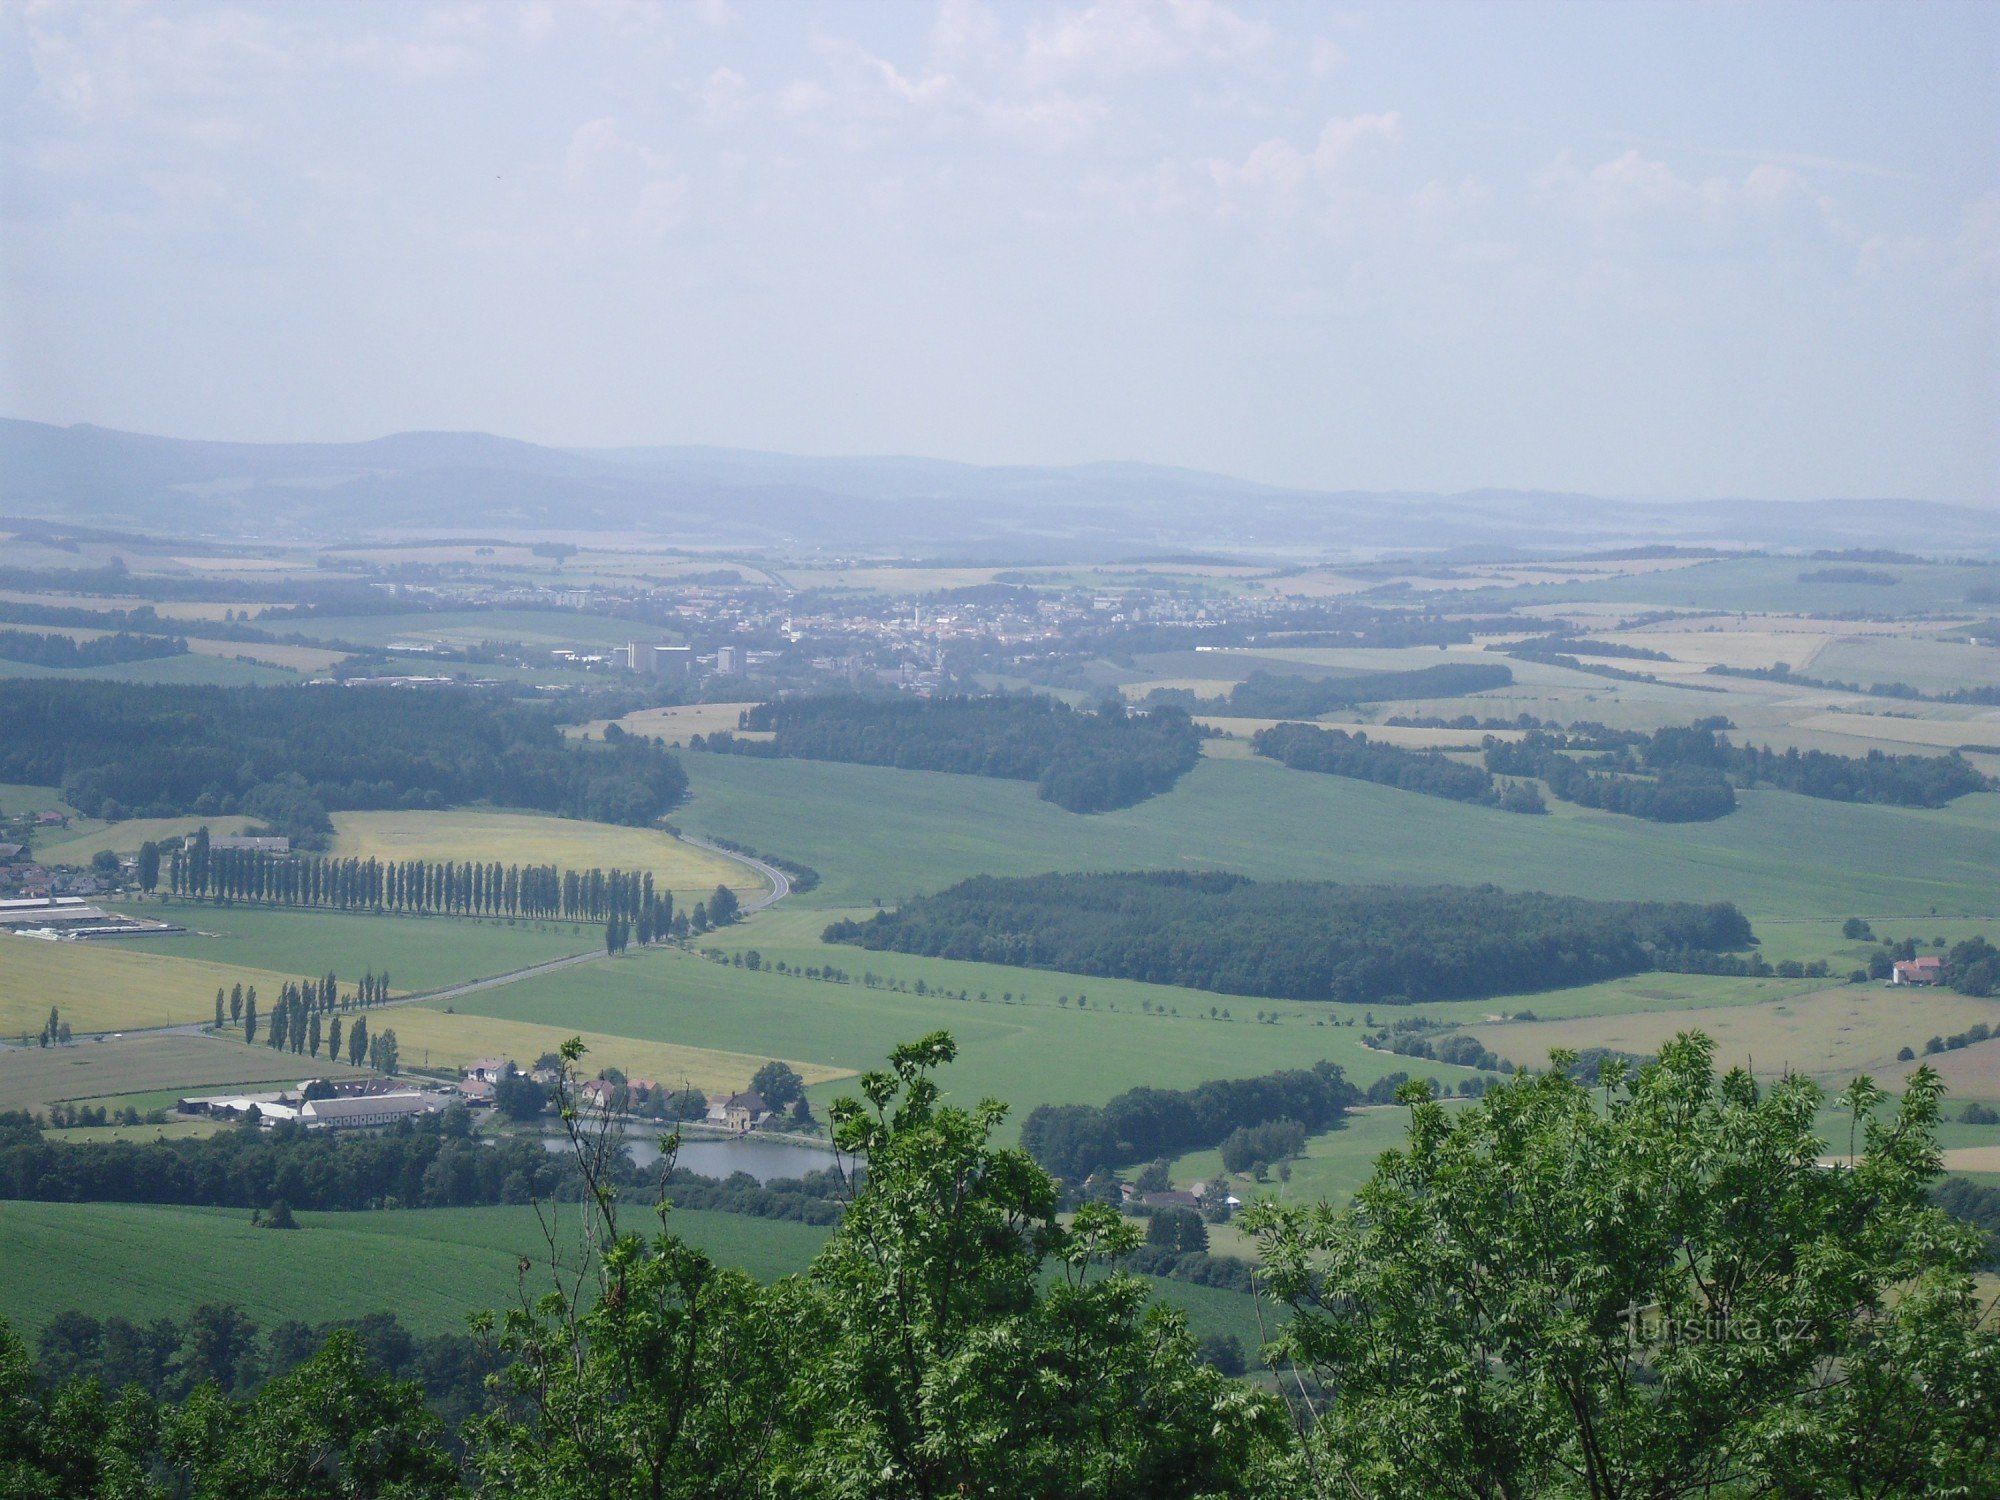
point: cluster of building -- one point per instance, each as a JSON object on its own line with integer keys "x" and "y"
{"x": 1926, "y": 970}
{"x": 366, "y": 1104}
{"x": 73, "y": 919}
{"x": 1201, "y": 1195}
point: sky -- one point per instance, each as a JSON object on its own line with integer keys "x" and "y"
{"x": 1684, "y": 251}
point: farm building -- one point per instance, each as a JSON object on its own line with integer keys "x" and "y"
{"x": 255, "y": 843}
{"x": 372, "y": 1111}
{"x": 744, "y": 1111}
{"x": 1927, "y": 970}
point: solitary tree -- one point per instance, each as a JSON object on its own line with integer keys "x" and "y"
{"x": 250, "y": 1022}
{"x": 778, "y": 1083}
{"x": 149, "y": 866}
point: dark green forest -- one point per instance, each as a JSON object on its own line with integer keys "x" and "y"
{"x": 1273, "y": 695}
{"x": 1336, "y": 752}
{"x": 1688, "y": 773}
{"x": 1082, "y": 761}
{"x": 1074, "y": 1140}
{"x": 1297, "y": 940}
{"x": 61, "y": 652}
{"x": 125, "y": 750}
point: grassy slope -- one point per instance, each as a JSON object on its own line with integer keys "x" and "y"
{"x": 418, "y": 952}
{"x": 432, "y": 1267}
{"x": 1025, "y": 1053}
{"x": 190, "y": 668}
{"x": 880, "y": 833}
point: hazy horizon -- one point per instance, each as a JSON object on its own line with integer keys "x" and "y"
{"x": 1638, "y": 251}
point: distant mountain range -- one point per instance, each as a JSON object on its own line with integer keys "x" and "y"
{"x": 469, "y": 481}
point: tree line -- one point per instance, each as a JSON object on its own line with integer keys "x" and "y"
{"x": 466, "y": 888}
{"x": 1274, "y": 695}
{"x": 1336, "y": 752}
{"x": 1782, "y": 672}
{"x": 431, "y": 1162}
{"x": 1679, "y": 793}
{"x": 1638, "y": 1284}
{"x": 1298, "y": 940}
{"x": 221, "y": 1347}
{"x": 1079, "y": 760}
{"x": 1693, "y": 771}
{"x": 124, "y": 749}
{"x": 63, "y": 653}
{"x": 1073, "y": 1141}
{"x": 1900, "y": 780}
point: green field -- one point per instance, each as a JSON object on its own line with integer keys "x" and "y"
{"x": 877, "y": 833}
{"x": 420, "y": 953}
{"x": 1026, "y": 1053}
{"x": 432, "y": 1267}
{"x": 75, "y": 844}
{"x": 17, "y": 798}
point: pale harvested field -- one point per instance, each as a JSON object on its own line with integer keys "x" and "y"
{"x": 1969, "y": 1072}
{"x": 436, "y": 1038}
{"x": 309, "y": 659}
{"x": 102, "y": 987}
{"x": 1317, "y": 585}
{"x": 525, "y": 838}
{"x": 888, "y": 580}
{"x": 670, "y": 724}
{"x": 37, "y": 1077}
{"x": 1923, "y": 733}
{"x": 243, "y": 564}
{"x": 292, "y": 658}
{"x": 1201, "y": 687}
{"x": 1831, "y": 1033}
{"x": 167, "y": 609}
{"x": 1726, "y": 648}
{"x": 499, "y": 556}
{"x": 1382, "y": 734}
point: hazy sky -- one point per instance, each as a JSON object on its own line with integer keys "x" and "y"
{"x": 1690, "y": 250}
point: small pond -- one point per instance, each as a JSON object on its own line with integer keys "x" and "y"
{"x": 711, "y": 1156}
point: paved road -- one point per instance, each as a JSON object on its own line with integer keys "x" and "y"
{"x": 781, "y": 887}
{"x": 781, "y": 883}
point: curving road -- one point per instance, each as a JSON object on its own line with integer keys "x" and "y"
{"x": 781, "y": 883}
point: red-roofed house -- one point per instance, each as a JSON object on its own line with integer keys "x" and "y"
{"x": 1927, "y": 970}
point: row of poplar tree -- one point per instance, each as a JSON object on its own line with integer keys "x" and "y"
{"x": 307, "y": 1017}
{"x": 450, "y": 887}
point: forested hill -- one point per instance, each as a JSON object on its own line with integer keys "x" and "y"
{"x": 1299, "y": 940}
{"x": 1086, "y": 762}
{"x": 287, "y": 754}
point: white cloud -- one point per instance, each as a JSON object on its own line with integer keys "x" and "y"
{"x": 965, "y": 32}
{"x": 1633, "y": 193}
{"x": 1115, "y": 38}
{"x": 803, "y": 97}
{"x": 1280, "y": 172}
